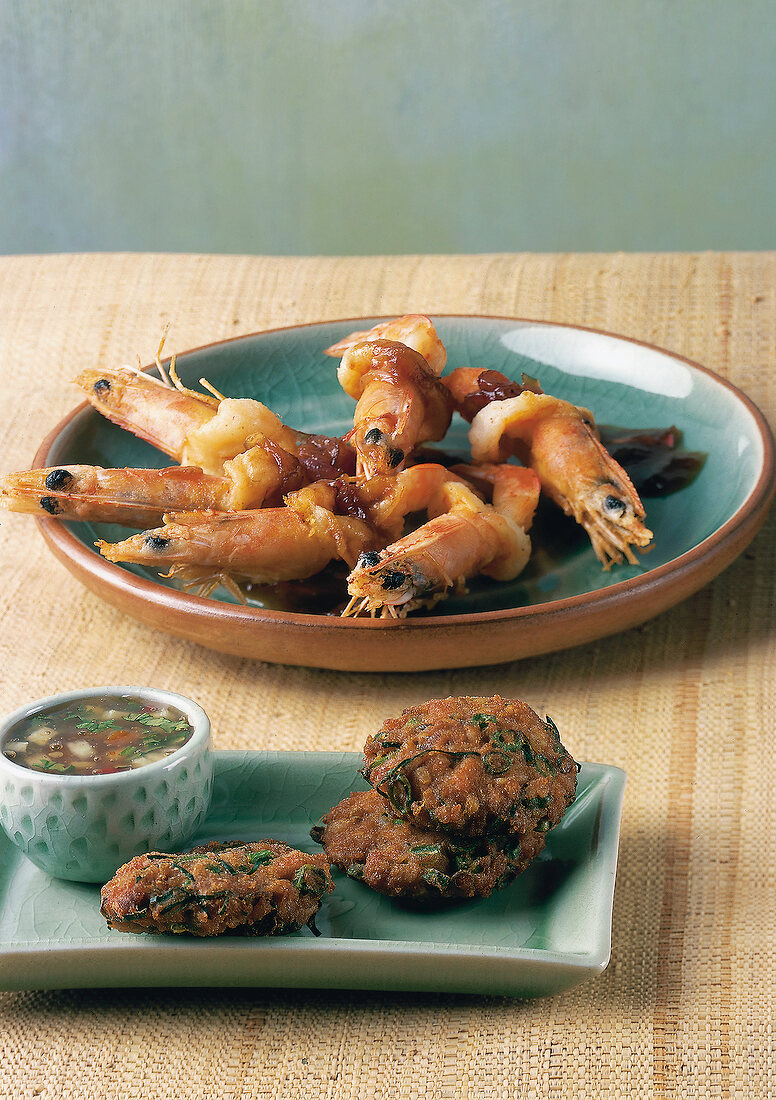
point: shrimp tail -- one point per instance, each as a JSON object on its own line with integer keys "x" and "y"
{"x": 414, "y": 330}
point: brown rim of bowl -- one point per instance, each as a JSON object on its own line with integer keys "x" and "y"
{"x": 743, "y": 524}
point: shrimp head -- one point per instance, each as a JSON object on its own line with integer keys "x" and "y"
{"x": 400, "y": 403}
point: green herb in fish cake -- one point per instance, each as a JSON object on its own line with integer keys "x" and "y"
{"x": 258, "y": 888}
{"x": 364, "y": 839}
{"x": 472, "y": 765}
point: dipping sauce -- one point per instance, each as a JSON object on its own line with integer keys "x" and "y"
{"x": 109, "y": 733}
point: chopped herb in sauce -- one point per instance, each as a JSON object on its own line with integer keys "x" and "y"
{"x": 107, "y": 734}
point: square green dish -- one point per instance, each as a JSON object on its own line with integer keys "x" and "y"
{"x": 547, "y": 931}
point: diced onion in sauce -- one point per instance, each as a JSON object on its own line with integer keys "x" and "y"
{"x": 42, "y": 736}
{"x": 98, "y": 736}
{"x": 81, "y": 750}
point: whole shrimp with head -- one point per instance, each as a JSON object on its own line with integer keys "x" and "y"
{"x": 558, "y": 440}
{"x": 235, "y": 452}
{"x": 463, "y": 537}
{"x": 260, "y": 546}
{"x": 201, "y": 429}
{"x": 392, "y": 372}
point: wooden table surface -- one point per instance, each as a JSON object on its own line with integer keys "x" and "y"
{"x": 684, "y": 704}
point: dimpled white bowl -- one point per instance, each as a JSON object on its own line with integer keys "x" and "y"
{"x": 83, "y": 827}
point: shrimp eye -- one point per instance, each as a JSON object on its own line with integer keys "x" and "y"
{"x": 50, "y": 505}
{"x": 613, "y": 506}
{"x": 374, "y": 435}
{"x": 156, "y": 542}
{"x": 394, "y": 579}
{"x": 101, "y": 385}
{"x": 395, "y": 455}
{"x": 368, "y": 559}
{"x": 58, "y": 479}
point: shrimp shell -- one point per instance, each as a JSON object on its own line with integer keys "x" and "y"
{"x": 133, "y": 497}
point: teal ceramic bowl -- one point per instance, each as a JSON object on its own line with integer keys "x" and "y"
{"x": 83, "y": 827}
{"x": 563, "y": 598}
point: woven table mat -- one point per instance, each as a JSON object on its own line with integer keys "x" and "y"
{"x": 685, "y": 704}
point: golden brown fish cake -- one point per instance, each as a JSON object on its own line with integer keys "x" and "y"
{"x": 472, "y": 765}
{"x": 363, "y": 837}
{"x": 264, "y": 888}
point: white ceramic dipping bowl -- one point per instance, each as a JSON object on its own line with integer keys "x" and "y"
{"x": 83, "y": 827}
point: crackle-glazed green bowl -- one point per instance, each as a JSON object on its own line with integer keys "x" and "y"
{"x": 83, "y": 827}
{"x": 563, "y": 598}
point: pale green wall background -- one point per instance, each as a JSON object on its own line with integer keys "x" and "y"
{"x": 349, "y": 126}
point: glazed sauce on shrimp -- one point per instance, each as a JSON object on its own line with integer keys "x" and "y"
{"x": 492, "y": 385}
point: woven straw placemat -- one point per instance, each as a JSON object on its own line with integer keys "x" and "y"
{"x": 685, "y": 704}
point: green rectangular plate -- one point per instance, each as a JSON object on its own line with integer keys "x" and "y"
{"x": 546, "y": 932}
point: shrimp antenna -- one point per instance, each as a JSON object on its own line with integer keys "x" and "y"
{"x": 206, "y": 398}
{"x": 211, "y": 389}
{"x": 158, "y": 356}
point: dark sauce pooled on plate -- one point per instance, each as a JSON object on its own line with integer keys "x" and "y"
{"x": 106, "y": 734}
{"x": 653, "y": 458}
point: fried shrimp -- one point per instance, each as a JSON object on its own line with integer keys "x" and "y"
{"x": 159, "y": 413}
{"x": 463, "y": 538}
{"x": 559, "y": 442}
{"x": 364, "y": 837}
{"x": 205, "y": 549}
{"x": 472, "y": 765}
{"x": 256, "y": 501}
{"x": 203, "y": 430}
{"x": 240, "y": 423}
{"x": 413, "y": 329}
{"x": 387, "y": 501}
{"x": 139, "y": 497}
{"x": 264, "y": 888}
{"x": 400, "y": 403}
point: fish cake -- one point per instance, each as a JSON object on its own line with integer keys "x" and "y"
{"x": 472, "y": 765}
{"x": 364, "y": 837}
{"x": 263, "y": 888}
